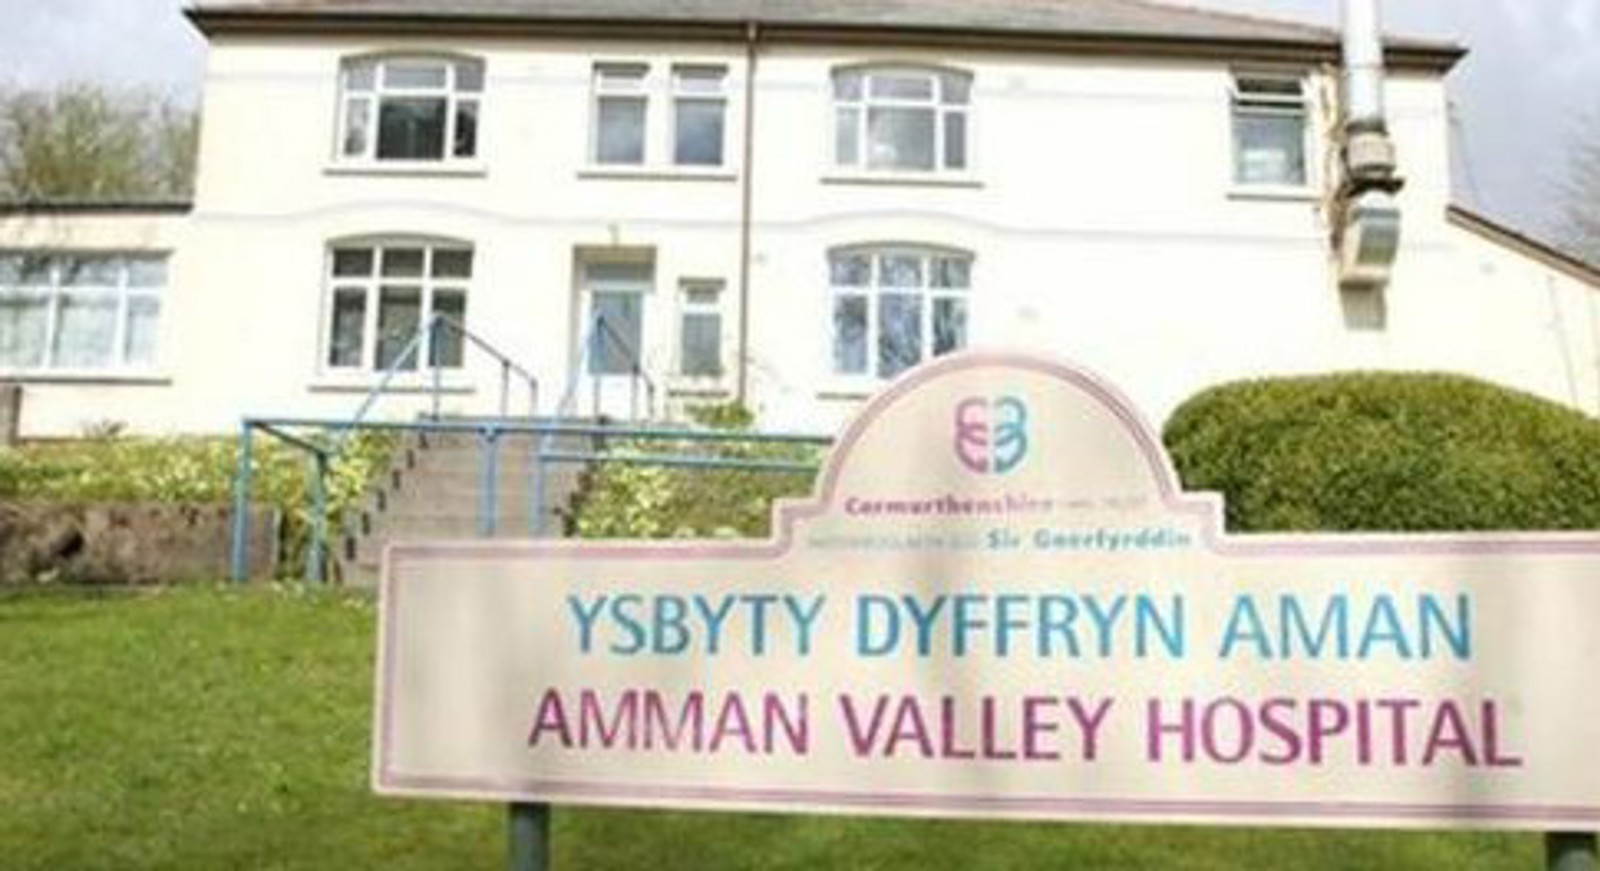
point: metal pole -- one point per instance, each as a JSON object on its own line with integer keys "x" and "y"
{"x": 505, "y": 388}
{"x": 489, "y": 507}
{"x": 434, "y": 359}
{"x": 530, "y": 837}
{"x": 241, "y": 506}
{"x": 597, "y": 362}
{"x": 633, "y": 394}
{"x": 747, "y": 172}
{"x": 539, "y": 485}
{"x": 1571, "y": 851}
{"x": 529, "y": 827}
{"x": 316, "y": 555}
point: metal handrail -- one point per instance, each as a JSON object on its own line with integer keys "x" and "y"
{"x": 332, "y": 439}
{"x": 407, "y": 362}
{"x": 508, "y": 367}
{"x": 635, "y": 364}
{"x": 490, "y": 434}
{"x": 601, "y": 329}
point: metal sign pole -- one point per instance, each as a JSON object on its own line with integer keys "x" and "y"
{"x": 1571, "y": 851}
{"x": 530, "y": 837}
{"x": 529, "y": 824}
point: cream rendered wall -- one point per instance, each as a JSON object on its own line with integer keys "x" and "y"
{"x": 1099, "y": 210}
{"x": 272, "y": 197}
{"x": 1104, "y": 222}
{"x": 1512, "y": 318}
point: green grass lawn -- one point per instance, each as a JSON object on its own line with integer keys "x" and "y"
{"x": 226, "y": 728}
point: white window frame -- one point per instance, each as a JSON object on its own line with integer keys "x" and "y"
{"x": 940, "y": 102}
{"x": 688, "y": 307}
{"x": 608, "y": 86}
{"x": 1260, "y": 103}
{"x": 371, "y": 286}
{"x": 366, "y": 102}
{"x": 56, "y": 291}
{"x": 681, "y": 94}
{"x": 874, "y": 290}
{"x": 660, "y": 88}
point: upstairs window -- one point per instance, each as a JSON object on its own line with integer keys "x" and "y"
{"x": 625, "y": 124}
{"x": 699, "y": 112}
{"x": 901, "y": 119}
{"x": 895, "y": 307}
{"x": 621, "y": 109}
{"x": 410, "y": 109}
{"x": 1269, "y": 131}
{"x": 382, "y": 296}
{"x": 79, "y": 312}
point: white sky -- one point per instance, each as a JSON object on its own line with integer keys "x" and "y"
{"x": 1533, "y": 74}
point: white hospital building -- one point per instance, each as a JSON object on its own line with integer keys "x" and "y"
{"x": 778, "y": 201}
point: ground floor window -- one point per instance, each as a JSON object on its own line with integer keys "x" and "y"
{"x": 894, "y": 307}
{"x": 700, "y": 330}
{"x": 382, "y": 295}
{"x": 80, "y": 312}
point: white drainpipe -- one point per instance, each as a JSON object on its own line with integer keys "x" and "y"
{"x": 1369, "y": 225}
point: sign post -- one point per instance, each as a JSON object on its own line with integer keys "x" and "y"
{"x": 1571, "y": 851}
{"x": 528, "y": 824}
{"x": 530, "y": 837}
{"x": 999, "y": 603}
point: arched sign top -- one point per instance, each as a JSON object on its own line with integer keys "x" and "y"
{"x": 989, "y": 425}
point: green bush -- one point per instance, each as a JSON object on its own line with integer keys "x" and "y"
{"x": 192, "y": 470}
{"x": 1400, "y": 452}
{"x": 624, "y": 500}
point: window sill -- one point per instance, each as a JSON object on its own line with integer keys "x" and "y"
{"x": 903, "y": 179}
{"x": 690, "y": 389}
{"x": 1273, "y": 193}
{"x": 849, "y": 389}
{"x": 86, "y": 377}
{"x": 410, "y": 169}
{"x": 653, "y": 173}
{"x": 418, "y": 386}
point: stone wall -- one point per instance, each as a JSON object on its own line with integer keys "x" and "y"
{"x": 44, "y": 542}
{"x": 10, "y": 413}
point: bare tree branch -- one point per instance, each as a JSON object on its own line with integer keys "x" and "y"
{"x": 88, "y": 142}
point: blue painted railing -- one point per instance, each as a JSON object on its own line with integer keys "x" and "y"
{"x": 329, "y": 440}
{"x": 326, "y": 441}
{"x": 490, "y": 433}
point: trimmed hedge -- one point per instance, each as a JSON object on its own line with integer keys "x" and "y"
{"x": 648, "y": 501}
{"x": 1396, "y": 452}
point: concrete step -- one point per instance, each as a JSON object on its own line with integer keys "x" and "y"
{"x": 460, "y": 490}
{"x": 369, "y": 549}
{"x": 431, "y": 481}
{"x": 507, "y": 460}
{"x": 472, "y": 474}
{"x": 433, "y": 490}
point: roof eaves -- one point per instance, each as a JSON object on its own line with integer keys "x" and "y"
{"x": 1521, "y": 242}
{"x": 1402, "y": 53}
